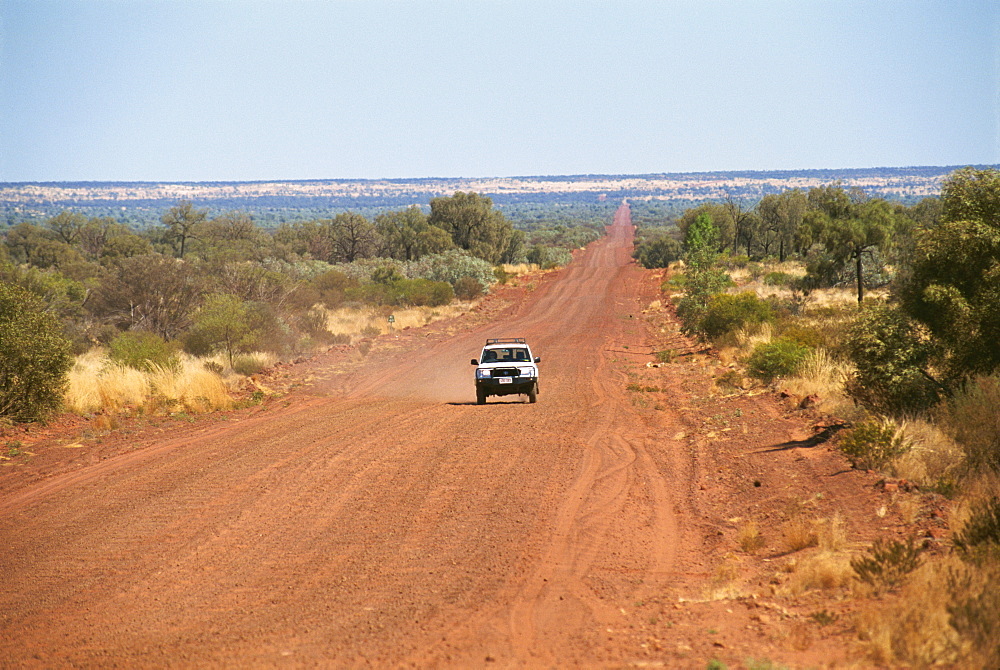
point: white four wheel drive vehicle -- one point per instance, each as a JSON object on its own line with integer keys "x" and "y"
{"x": 505, "y": 367}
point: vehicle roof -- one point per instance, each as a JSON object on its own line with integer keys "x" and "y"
{"x": 508, "y": 345}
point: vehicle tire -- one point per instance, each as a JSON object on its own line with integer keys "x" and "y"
{"x": 480, "y": 397}
{"x": 533, "y": 393}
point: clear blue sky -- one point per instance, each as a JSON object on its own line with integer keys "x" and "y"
{"x": 236, "y": 90}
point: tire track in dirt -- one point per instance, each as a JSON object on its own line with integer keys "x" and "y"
{"x": 545, "y": 615}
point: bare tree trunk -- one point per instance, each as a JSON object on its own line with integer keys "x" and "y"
{"x": 861, "y": 285}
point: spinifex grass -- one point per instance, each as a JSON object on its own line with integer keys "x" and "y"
{"x": 96, "y": 385}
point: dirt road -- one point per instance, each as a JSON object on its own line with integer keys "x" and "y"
{"x": 382, "y": 518}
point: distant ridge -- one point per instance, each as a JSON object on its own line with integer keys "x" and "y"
{"x": 899, "y": 183}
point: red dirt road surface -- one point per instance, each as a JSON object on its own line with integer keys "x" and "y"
{"x": 378, "y": 517}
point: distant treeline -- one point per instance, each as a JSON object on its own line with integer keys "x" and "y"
{"x": 30, "y": 201}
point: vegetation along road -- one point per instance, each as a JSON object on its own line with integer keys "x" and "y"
{"x": 379, "y": 517}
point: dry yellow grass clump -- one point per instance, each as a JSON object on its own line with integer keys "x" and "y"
{"x": 373, "y": 322}
{"x": 518, "y": 269}
{"x": 97, "y": 385}
{"x": 933, "y": 457}
{"x": 748, "y": 537}
{"x": 823, "y": 376}
{"x": 913, "y": 628}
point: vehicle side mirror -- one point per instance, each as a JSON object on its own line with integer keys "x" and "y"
{"x": 475, "y": 362}
{"x": 538, "y": 359}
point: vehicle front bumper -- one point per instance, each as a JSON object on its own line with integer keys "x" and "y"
{"x": 497, "y": 385}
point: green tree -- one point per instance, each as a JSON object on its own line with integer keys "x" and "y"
{"x": 151, "y": 293}
{"x": 316, "y": 240}
{"x": 474, "y": 225}
{"x": 36, "y": 356}
{"x": 953, "y": 286}
{"x": 721, "y": 218}
{"x": 702, "y": 278}
{"x": 781, "y": 216}
{"x": 96, "y": 234}
{"x": 354, "y": 237}
{"x": 23, "y": 239}
{"x": 659, "y": 252}
{"x": 183, "y": 222}
{"x": 849, "y": 229}
{"x": 406, "y": 235}
{"x": 971, "y": 195}
{"x": 127, "y": 245}
{"x": 892, "y": 354}
{"x": 225, "y": 323}
{"x": 67, "y": 226}
{"x": 233, "y": 236}
{"x": 746, "y": 224}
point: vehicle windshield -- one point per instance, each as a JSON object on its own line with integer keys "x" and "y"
{"x": 506, "y": 355}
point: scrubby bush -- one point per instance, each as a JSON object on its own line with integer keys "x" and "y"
{"x": 226, "y": 323}
{"x": 726, "y": 313}
{"x": 972, "y": 416}
{"x": 314, "y": 324}
{"x": 777, "y": 358}
{"x": 403, "y": 292}
{"x": 327, "y": 288}
{"x": 891, "y": 353}
{"x": 424, "y": 292}
{"x": 658, "y": 253}
{"x": 467, "y": 288}
{"x": 34, "y": 356}
{"x": 144, "y": 351}
{"x": 887, "y": 563}
{"x": 973, "y": 612}
{"x": 247, "y": 365}
{"x": 452, "y": 266}
{"x": 778, "y": 279}
{"x": 979, "y": 538}
{"x": 804, "y": 335}
{"x": 872, "y": 445}
{"x": 548, "y": 257}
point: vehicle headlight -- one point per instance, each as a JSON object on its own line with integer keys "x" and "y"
{"x": 527, "y": 372}
{"x": 482, "y": 373}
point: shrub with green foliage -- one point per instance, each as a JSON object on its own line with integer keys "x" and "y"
{"x": 143, "y": 350}
{"x": 953, "y": 286}
{"x": 467, "y": 288}
{"x": 404, "y": 293}
{"x": 778, "y": 279}
{"x": 548, "y": 257}
{"x": 891, "y": 353}
{"x": 727, "y": 313}
{"x": 804, "y": 335}
{"x": 226, "y": 323}
{"x": 659, "y": 252}
{"x": 452, "y": 266}
{"x": 34, "y": 356}
{"x": 777, "y": 358}
{"x": 872, "y": 445}
{"x": 703, "y": 279}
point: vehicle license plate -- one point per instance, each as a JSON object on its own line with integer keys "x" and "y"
{"x": 506, "y": 380}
